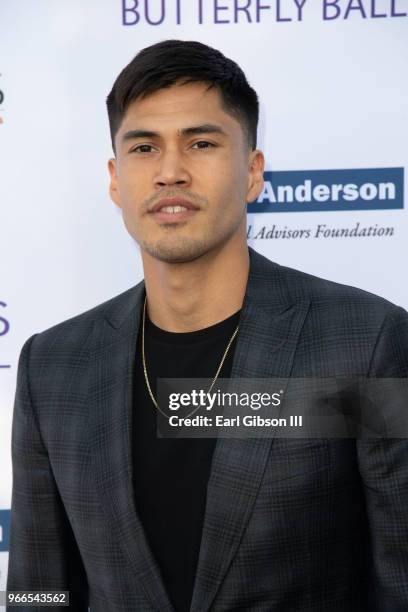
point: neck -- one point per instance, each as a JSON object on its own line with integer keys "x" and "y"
{"x": 189, "y": 296}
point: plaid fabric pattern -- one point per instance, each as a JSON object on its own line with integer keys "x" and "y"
{"x": 291, "y": 525}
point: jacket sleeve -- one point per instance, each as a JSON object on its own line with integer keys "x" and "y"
{"x": 383, "y": 464}
{"x": 43, "y": 552}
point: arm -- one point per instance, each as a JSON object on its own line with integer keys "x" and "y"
{"x": 384, "y": 469}
{"x": 43, "y": 552}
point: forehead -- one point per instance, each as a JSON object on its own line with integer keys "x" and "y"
{"x": 178, "y": 106}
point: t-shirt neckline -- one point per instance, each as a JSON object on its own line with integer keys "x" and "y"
{"x": 220, "y": 329}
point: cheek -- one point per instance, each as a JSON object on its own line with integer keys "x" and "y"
{"x": 232, "y": 191}
{"x": 132, "y": 192}
{"x": 132, "y": 175}
{"x": 127, "y": 179}
{"x": 131, "y": 222}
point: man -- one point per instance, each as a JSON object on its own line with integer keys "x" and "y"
{"x": 127, "y": 521}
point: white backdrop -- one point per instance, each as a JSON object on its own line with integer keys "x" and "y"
{"x": 331, "y": 76}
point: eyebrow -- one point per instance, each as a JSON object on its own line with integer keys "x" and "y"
{"x": 205, "y": 128}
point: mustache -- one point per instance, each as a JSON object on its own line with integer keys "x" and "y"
{"x": 185, "y": 194}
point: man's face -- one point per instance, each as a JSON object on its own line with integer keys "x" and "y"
{"x": 179, "y": 148}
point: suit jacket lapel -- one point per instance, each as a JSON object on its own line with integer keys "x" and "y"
{"x": 111, "y": 439}
{"x": 269, "y": 330}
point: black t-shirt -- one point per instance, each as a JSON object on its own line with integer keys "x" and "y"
{"x": 170, "y": 476}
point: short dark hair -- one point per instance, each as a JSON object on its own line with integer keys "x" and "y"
{"x": 180, "y": 61}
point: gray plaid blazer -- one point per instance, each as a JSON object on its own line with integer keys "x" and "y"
{"x": 290, "y": 525}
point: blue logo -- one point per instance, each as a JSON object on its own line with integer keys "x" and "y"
{"x": 5, "y": 516}
{"x": 326, "y": 190}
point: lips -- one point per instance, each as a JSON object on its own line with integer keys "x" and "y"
{"x": 173, "y": 206}
{"x": 172, "y": 211}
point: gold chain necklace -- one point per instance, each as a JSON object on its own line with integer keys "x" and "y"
{"x": 145, "y": 368}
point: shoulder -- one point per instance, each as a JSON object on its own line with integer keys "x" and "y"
{"x": 325, "y": 296}
{"x": 75, "y": 331}
{"x": 346, "y": 330}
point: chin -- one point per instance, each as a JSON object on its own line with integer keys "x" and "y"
{"x": 180, "y": 251}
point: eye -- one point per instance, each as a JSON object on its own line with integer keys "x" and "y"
{"x": 203, "y": 144}
{"x": 142, "y": 148}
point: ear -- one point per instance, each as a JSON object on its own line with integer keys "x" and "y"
{"x": 113, "y": 185}
{"x": 256, "y": 166}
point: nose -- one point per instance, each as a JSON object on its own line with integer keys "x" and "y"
{"x": 172, "y": 170}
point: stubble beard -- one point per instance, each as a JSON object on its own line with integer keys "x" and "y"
{"x": 173, "y": 248}
{"x": 182, "y": 249}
